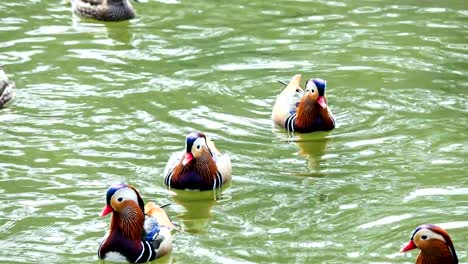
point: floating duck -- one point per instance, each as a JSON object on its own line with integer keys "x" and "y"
{"x": 302, "y": 111}
{"x": 137, "y": 233}
{"x": 435, "y": 245}
{"x": 107, "y": 10}
{"x": 199, "y": 167}
{"x": 6, "y": 88}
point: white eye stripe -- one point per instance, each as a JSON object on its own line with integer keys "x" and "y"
{"x": 429, "y": 234}
{"x": 199, "y": 142}
{"x": 125, "y": 194}
{"x": 311, "y": 86}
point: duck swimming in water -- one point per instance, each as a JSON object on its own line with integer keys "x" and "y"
{"x": 107, "y": 10}
{"x": 435, "y": 244}
{"x": 302, "y": 111}
{"x": 138, "y": 233}
{"x": 6, "y": 88}
{"x": 201, "y": 166}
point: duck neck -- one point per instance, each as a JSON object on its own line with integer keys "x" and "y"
{"x": 204, "y": 166}
{"x": 310, "y": 115}
{"x": 129, "y": 224}
{"x": 438, "y": 253}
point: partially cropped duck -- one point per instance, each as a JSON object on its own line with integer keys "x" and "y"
{"x": 107, "y": 10}
{"x": 199, "y": 167}
{"x": 137, "y": 233}
{"x": 6, "y": 88}
{"x": 435, "y": 244}
{"x": 302, "y": 111}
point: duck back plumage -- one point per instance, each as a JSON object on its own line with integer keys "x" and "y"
{"x": 106, "y": 10}
{"x": 6, "y": 89}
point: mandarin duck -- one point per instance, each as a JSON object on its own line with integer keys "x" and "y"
{"x": 107, "y": 10}
{"x": 435, "y": 245}
{"x": 199, "y": 167}
{"x": 138, "y": 233}
{"x": 6, "y": 88}
{"x": 302, "y": 111}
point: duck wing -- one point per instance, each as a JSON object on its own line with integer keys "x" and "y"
{"x": 287, "y": 102}
{"x": 158, "y": 229}
{"x": 6, "y": 92}
{"x": 223, "y": 161}
{"x": 175, "y": 159}
{"x": 158, "y": 213}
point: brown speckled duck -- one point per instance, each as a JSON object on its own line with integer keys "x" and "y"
{"x": 107, "y": 10}
{"x": 199, "y": 167}
{"x": 435, "y": 244}
{"x": 6, "y": 89}
{"x": 302, "y": 111}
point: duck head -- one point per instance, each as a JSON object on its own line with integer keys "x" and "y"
{"x": 127, "y": 208}
{"x": 121, "y": 197}
{"x": 435, "y": 244}
{"x": 315, "y": 92}
{"x": 195, "y": 146}
{"x": 312, "y": 112}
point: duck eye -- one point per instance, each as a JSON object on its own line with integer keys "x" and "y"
{"x": 424, "y": 237}
{"x": 198, "y": 146}
{"x": 120, "y": 199}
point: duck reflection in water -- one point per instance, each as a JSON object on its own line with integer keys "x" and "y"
{"x": 313, "y": 147}
{"x": 197, "y": 209}
{"x": 114, "y": 34}
{"x": 122, "y": 35}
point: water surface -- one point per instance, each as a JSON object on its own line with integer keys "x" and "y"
{"x": 99, "y": 103}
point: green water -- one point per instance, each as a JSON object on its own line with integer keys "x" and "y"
{"x": 99, "y": 103}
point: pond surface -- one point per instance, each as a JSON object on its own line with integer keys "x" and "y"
{"x": 99, "y": 103}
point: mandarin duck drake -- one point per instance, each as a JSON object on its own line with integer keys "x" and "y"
{"x": 199, "y": 167}
{"x": 137, "y": 233}
{"x": 6, "y": 88}
{"x": 302, "y": 111}
{"x": 435, "y": 244}
{"x": 107, "y": 10}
